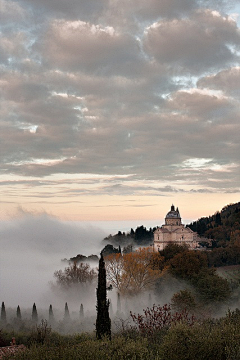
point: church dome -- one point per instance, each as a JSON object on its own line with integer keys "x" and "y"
{"x": 173, "y": 213}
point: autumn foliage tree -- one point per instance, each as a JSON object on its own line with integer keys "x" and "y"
{"x": 133, "y": 272}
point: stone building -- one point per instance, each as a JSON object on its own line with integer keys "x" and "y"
{"x": 174, "y": 232}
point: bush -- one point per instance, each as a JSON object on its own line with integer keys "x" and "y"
{"x": 89, "y": 349}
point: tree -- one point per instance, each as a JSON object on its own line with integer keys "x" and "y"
{"x": 218, "y": 219}
{"x": 19, "y": 316}
{"x": 50, "y": 314}
{"x": 34, "y": 313}
{"x": 115, "y": 269}
{"x": 133, "y": 272}
{"x": 211, "y": 287}
{"x": 183, "y": 300}
{"x": 66, "y": 312}
{"x": 159, "y": 317}
{"x": 81, "y": 312}
{"x": 75, "y": 274}
{"x": 171, "y": 250}
{"x": 103, "y": 322}
{"x": 188, "y": 263}
{"x": 119, "y": 307}
{"x": 110, "y": 249}
{"x": 3, "y": 313}
{"x": 142, "y": 235}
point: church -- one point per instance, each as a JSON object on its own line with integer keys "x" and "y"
{"x": 174, "y": 232}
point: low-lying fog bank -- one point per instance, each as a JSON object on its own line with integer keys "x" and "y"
{"x": 31, "y": 250}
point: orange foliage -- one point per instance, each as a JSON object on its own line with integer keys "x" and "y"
{"x": 133, "y": 272}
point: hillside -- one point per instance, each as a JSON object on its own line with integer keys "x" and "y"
{"x": 223, "y": 227}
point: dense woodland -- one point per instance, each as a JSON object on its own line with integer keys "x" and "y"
{"x": 223, "y": 227}
{"x": 174, "y": 304}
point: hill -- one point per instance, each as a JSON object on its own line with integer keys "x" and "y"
{"x": 223, "y": 227}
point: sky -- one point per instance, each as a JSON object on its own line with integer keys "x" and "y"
{"x": 112, "y": 110}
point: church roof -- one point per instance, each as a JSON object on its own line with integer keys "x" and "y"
{"x": 173, "y": 213}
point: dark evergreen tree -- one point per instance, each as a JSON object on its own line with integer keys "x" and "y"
{"x": 132, "y": 233}
{"x": 19, "y": 315}
{"x": 142, "y": 235}
{"x": 110, "y": 309}
{"x": 50, "y": 314}
{"x": 81, "y": 312}
{"x": 218, "y": 219}
{"x": 66, "y": 313}
{"x": 109, "y": 249}
{"x": 34, "y": 313}
{"x": 103, "y": 322}
{"x": 3, "y": 313}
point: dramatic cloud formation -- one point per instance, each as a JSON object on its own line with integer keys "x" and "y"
{"x": 110, "y": 103}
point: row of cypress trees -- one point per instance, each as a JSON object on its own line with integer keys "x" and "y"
{"x": 103, "y": 322}
{"x": 35, "y": 313}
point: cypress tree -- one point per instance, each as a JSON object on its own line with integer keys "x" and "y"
{"x": 50, "y": 314}
{"x": 118, "y": 303}
{"x": 110, "y": 308}
{"x": 150, "y": 300}
{"x": 3, "y": 313}
{"x": 81, "y": 312}
{"x": 34, "y": 313}
{"x": 103, "y": 323}
{"x": 66, "y": 313}
{"x": 19, "y": 315}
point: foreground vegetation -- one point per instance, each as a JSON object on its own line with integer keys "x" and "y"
{"x": 217, "y": 339}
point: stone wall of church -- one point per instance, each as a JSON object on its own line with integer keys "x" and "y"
{"x": 172, "y": 221}
{"x": 183, "y": 236}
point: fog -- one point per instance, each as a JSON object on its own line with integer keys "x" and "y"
{"x": 32, "y": 248}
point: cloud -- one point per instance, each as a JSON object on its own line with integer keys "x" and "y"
{"x": 118, "y": 88}
{"x": 198, "y": 104}
{"x": 82, "y": 45}
{"x": 227, "y": 80}
{"x": 10, "y": 11}
{"x": 192, "y": 45}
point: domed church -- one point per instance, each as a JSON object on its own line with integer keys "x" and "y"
{"x": 174, "y": 232}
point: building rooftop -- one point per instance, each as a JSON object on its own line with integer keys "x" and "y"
{"x": 173, "y": 213}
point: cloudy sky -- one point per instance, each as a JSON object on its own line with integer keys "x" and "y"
{"x": 115, "y": 109}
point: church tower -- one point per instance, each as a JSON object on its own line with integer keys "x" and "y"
{"x": 173, "y": 217}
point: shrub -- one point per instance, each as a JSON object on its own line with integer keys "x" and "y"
{"x": 158, "y": 318}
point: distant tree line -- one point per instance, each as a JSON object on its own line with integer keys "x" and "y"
{"x": 139, "y": 237}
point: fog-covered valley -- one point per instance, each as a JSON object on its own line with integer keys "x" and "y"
{"x": 32, "y": 248}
